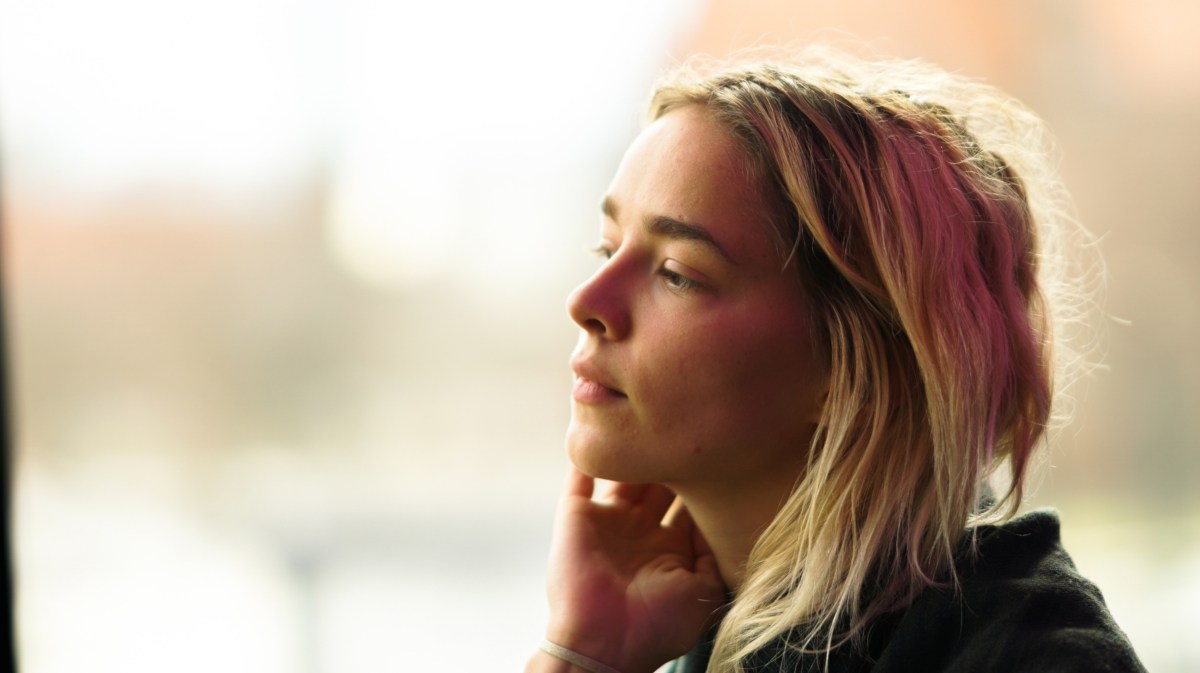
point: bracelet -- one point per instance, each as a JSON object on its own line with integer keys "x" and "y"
{"x": 572, "y": 657}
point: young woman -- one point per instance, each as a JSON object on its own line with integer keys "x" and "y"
{"x": 824, "y": 321}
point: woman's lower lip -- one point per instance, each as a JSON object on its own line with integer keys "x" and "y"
{"x": 588, "y": 391}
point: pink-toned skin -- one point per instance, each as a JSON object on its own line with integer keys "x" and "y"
{"x": 697, "y": 389}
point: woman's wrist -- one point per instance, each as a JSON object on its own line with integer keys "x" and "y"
{"x": 592, "y": 651}
{"x": 593, "y": 645}
{"x": 541, "y": 662}
{"x": 552, "y": 658}
{"x": 576, "y": 659}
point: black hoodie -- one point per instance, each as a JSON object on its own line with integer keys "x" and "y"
{"x": 1021, "y": 607}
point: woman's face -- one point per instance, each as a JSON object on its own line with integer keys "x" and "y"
{"x": 695, "y": 362}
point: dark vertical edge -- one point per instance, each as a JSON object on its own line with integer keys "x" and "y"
{"x": 8, "y": 653}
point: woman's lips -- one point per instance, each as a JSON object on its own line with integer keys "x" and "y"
{"x": 592, "y": 383}
{"x": 587, "y": 391}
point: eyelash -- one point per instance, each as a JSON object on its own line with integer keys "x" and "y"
{"x": 674, "y": 281}
{"x": 678, "y": 282}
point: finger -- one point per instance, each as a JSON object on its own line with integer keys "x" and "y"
{"x": 578, "y": 484}
{"x": 700, "y": 545}
{"x": 680, "y": 519}
{"x": 628, "y": 493}
{"x": 677, "y": 516}
{"x": 657, "y": 500}
{"x": 705, "y": 561}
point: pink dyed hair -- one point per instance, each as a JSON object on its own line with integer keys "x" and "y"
{"x": 910, "y": 203}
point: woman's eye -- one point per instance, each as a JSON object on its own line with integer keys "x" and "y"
{"x": 602, "y": 251}
{"x": 678, "y": 282}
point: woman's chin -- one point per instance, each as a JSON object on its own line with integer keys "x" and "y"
{"x": 585, "y": 459}
{"x": 598, "y": 459}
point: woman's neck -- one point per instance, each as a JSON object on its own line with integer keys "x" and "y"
{"x": 733, "y": 519}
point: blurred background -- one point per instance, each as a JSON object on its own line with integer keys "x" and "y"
{"x": 285, "y": 284}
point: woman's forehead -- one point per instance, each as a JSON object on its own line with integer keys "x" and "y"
{"x": 686, "y": 166}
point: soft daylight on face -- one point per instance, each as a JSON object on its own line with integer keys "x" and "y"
{"x": 695, "y": 361}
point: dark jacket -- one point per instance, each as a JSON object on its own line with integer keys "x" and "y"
{"x": 1022, "y": 607}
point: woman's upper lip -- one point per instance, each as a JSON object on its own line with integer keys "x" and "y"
{"x": 586, "y": 369}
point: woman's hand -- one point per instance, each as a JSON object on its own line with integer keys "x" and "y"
{"x": 632, "y": 582}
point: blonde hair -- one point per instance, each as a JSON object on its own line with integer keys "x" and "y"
{"x": 922, "y": 215}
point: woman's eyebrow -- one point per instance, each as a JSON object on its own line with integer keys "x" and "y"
{"x": 661, "y": 225}
{"x": 669, "y": 227}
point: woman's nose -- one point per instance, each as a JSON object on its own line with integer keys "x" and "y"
{"x": 601, "y": 304}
